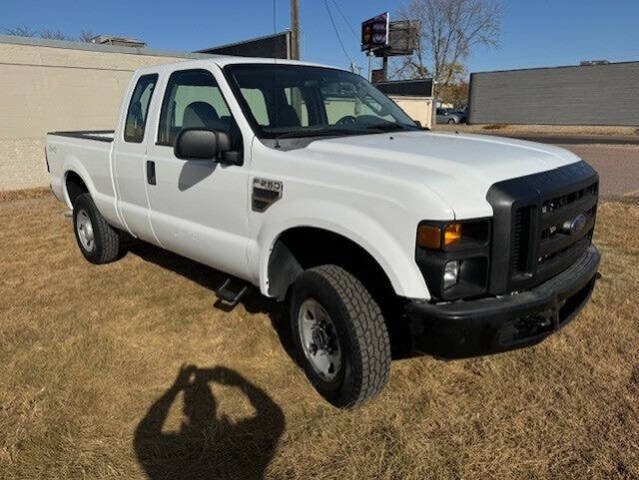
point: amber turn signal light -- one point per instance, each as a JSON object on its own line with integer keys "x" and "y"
{"x": 429, "y": 236}
{"x": 452, "y": 234}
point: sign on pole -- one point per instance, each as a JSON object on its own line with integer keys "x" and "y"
{"x": 375, "y": 32}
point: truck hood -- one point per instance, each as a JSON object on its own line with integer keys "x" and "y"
{"x": 459, "y": 168}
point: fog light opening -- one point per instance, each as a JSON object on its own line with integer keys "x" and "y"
{"x": 451, "y": 273}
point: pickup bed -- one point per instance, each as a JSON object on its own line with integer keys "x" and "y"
{"x": 310, "y": 184}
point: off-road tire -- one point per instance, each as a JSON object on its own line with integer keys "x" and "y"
{"x": 106, "y": 246}
{"x": 362, "y": 334}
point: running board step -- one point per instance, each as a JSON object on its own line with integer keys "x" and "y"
{"x": 231, "y": 292}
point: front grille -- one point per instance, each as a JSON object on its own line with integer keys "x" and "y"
{"x": 545, "y": 221}
{"x": 522, "y": 241}
{"x": 546, "y": 245}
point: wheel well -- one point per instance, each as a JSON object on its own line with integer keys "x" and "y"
{"x": 75, "y": 186}
{"x": 301, "y": 248}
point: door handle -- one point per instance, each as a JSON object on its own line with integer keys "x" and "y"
{"x": 150, "y": 172}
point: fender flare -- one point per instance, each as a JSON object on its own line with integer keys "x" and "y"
{"x": 72, "y": 165}
{"x": 402, "y": 272}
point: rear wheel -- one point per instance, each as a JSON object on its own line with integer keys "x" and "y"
{"x": 340, "y": 336}
{"x": 99, "y": 242}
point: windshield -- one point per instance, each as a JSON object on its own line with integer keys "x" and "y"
{"x": 288, "y": 101}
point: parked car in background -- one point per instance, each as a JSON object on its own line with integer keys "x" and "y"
{"x": 450, "y": 116}
{"x": 463, "y": 114}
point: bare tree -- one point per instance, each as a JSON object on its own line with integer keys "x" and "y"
{"x": 24, "y": 31}
{"x": 54, "y": 35}
{"x": 86, "y": 36}
{"x": 20, "y": 31}
{"x": 449, "y": 30}
{"x": 454, "y": 93}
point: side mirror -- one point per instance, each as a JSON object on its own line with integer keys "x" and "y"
{"x": 203, "y": 144}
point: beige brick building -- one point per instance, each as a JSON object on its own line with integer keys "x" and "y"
{"x": 48, "y": 85}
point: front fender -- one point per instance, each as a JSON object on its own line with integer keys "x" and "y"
{"x": 400, "y": 268}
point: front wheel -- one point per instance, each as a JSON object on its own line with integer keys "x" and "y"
{"x": 451, "y": 121}
{"x": 99, "y": 242}
{"x": 340, "y": 336}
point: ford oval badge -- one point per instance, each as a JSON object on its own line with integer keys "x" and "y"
{"x": 575, "y": 225}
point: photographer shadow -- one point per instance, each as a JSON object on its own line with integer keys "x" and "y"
{"x": 208, "y": 445}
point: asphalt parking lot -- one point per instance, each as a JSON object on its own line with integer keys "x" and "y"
{"x": 618, "y": 167}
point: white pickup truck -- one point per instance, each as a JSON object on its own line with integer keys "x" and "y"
{"x": 310, "y": 184}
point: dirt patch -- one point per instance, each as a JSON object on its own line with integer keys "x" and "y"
{"x": 40, "y": 192}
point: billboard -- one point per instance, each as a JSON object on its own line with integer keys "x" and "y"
{"x": 402, "y": 37}
{"x": 270, "y": 46}
{"x": 375, "y": 32}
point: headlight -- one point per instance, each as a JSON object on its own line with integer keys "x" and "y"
{"x": 454, "y": 257}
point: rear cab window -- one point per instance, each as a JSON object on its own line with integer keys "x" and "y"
{"x": 138, "y": 111}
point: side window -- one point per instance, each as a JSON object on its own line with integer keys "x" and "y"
{"x": 139, "y": 109}
{"x": 193, "y": 100}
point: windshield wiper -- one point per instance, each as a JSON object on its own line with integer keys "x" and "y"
{"x": 326, "y": 132}
{"x": 389, "y": 127}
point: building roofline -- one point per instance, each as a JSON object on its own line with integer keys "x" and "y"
{"x": 93, "y": 47}
{"x": 255, "y": 39}
{"x": 220, "y": 59}
{"x": 555, "y": 68}
{"x": 412, "y": 80}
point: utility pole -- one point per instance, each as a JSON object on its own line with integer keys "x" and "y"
{"x": 370, "y": 66}
{"x": 295, "y": 30}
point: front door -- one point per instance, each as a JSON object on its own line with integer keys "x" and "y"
{"x": 198, "y": 207}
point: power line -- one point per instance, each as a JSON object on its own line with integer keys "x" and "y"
{"x": 348, "y": 24}
{"x": 274, "y": 17}
{"x": 339, "y": 39}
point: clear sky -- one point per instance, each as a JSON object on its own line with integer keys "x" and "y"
{"x": 535, "y": 32}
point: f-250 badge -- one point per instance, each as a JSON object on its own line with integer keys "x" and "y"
{"x": 265, "y": 193}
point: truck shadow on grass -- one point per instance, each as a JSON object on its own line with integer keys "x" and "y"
{"x": 253, "y": 301}
{"x": 208, "y": 445}
{"x": 211, "y": 279}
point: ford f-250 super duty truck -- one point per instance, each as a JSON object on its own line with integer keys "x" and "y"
{"x": 309, "y": 183}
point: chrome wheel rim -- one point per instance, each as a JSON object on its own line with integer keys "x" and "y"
{"x": 319, "y": 339}
{"x": 84, "y": 229}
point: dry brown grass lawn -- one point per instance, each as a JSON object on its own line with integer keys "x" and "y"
{"x": 88, "y": 356}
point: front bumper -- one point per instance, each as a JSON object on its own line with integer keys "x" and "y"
{"x": 489, "y": 325}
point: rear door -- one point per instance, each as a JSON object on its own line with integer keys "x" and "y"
{"x": 198, "y": 208}
{"x": 129, "y": 160}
